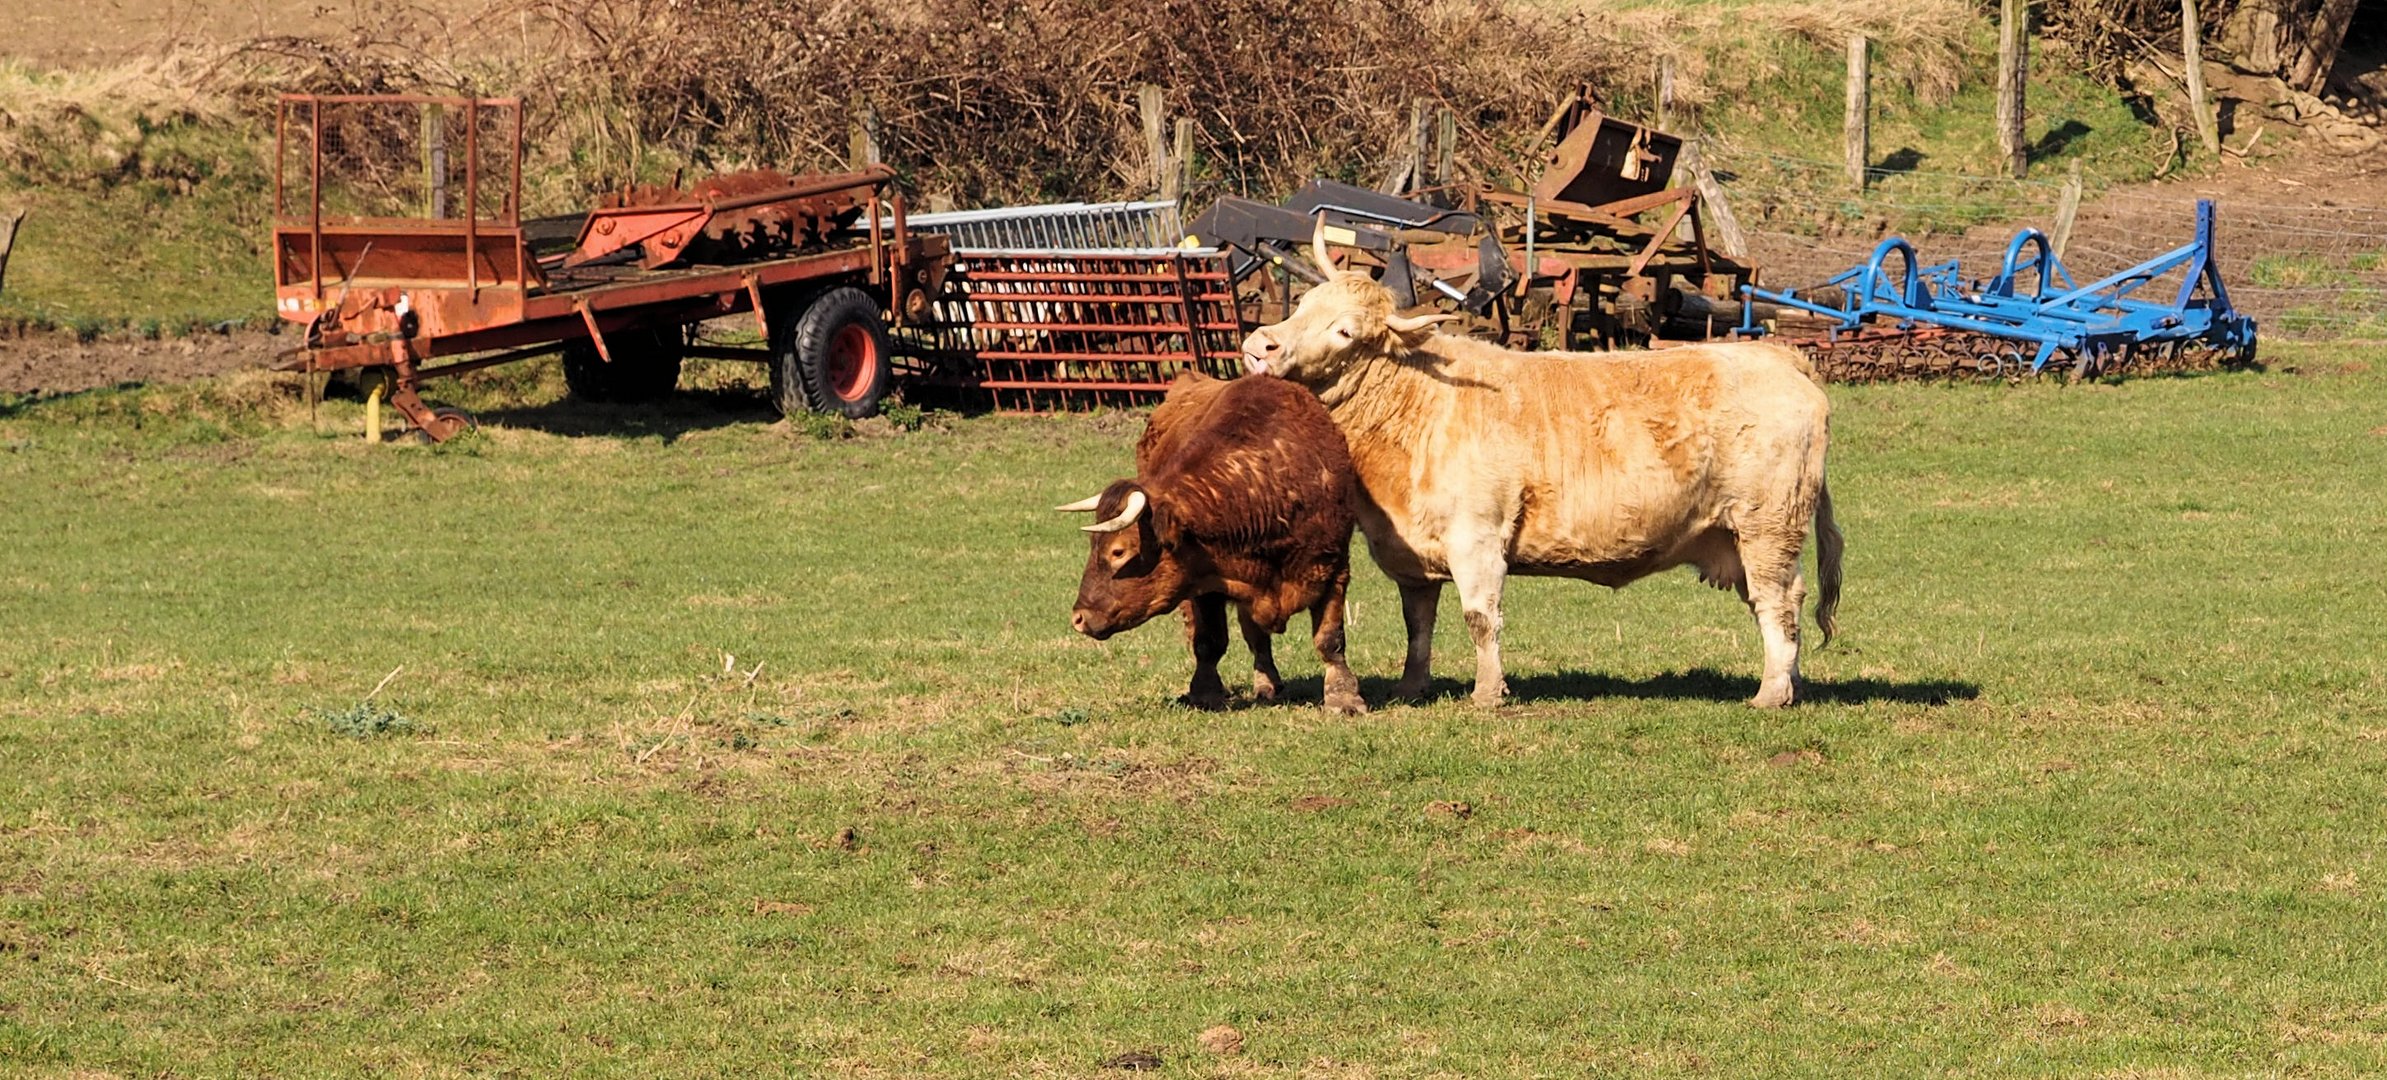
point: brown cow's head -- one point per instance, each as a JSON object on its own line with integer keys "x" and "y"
{"x": 1338, "y": 324}
{"x": 1131, "y": 573}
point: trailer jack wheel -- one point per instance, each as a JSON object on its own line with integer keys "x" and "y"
{"x": 446, "y": 423}
{"x": 834, "y": 358}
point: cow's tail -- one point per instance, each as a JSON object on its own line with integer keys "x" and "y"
{"x": 1828, "y": 544}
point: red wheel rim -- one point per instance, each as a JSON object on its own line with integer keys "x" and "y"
{"x": 853, "y": 358}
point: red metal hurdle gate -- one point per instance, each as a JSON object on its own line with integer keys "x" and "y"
{"x": 1095, "y": 308}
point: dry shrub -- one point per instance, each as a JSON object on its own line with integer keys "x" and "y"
{"x": 994, "y": 101}
{"x": 1011, "y": 100}
{"x": 1033, "y": 99}
{"x": 2109, "y": 33}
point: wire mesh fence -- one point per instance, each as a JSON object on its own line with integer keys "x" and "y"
{"x": 419, "y": 158}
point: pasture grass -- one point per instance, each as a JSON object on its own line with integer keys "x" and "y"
{"x": 626, "y": 742}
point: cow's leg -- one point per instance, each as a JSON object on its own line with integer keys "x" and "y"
{"x": 1326, "y": 632}
{"x": 1480, "y": 571}
{"x": 1774, "y": 592}
{"x": 1208, "y": 629}
{"x": 1420, "y": 602}
{"x": 1256, "y": 637}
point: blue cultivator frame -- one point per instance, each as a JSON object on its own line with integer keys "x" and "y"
{"x": 2098, "y": 326}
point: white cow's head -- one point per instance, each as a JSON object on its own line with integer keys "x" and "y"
{"x": 1336, "y": 328}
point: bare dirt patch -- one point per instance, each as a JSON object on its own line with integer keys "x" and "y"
{"x": 74, "y": 33}
{"x": 59, "y": 364}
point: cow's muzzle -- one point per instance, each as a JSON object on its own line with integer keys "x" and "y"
{"x": 1092, "y": 627}
{"x": 1261, "y": 350}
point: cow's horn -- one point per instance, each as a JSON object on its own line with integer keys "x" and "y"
{"x": 1082, "y": 505}
{"x": 1410, "y": 324}
{"x": 1134, "y": 510}
{"x": 1318, "y": 252}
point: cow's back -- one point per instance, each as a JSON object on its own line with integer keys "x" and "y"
{"x": 1606, "y": 466}
{"x": 1249, "y": 460}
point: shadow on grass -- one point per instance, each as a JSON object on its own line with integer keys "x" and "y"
{"x": 668, "y": 418}
{"x": 2058, "y": 138}
{"x": 1697, "y": 684}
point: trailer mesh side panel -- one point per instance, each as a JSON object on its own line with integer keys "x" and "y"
{"x": 1031, "y": 331}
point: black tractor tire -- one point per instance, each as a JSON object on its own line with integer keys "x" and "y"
{"x": 645, "y": 365}
{"x": 834, "y": 357}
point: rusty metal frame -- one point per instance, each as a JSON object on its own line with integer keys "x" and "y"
{"x": 372, "y": 325}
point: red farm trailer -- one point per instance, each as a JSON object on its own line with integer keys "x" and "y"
{"x": 399, "y": 244}
{"x": 399, "y": 241}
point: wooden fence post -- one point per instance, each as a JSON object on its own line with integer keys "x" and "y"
{"x": 1446, "y": 147}
{"x": 1151, "y": 103}
{"x": 8, "y": 241}
{"x": 2013, "y": 74}
{"x": 1180, "y": 172}
{"x": 1665, "y": 92}
{"x": 1409, "y": 158}
{"x": 2067, "y": 207}
{"x": 435, "y": 161}
{"x": 1723, "y": 229}
{"x": 864, "y": 151}
{"x": 2206, "y": 129}
{"x": 1858, "y": 149}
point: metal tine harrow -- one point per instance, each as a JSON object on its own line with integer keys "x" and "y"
{"x": 1879, "y": 319}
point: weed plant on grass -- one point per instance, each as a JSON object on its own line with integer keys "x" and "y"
{"x": 755, "y": 753}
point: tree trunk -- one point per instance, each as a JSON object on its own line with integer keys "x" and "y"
{"x": 2199, "y": 111}
{"x": 2311, "y": 59}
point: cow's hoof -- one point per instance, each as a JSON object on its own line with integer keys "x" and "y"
{"x": 1488, "y": 699}
{"x": 1263, "y": 687}
{"x": 1346, "y": 704}
{"x": 1412, "y": 692}
{"x": 1205, "y": 700}
{"x": 1770, "y": 697}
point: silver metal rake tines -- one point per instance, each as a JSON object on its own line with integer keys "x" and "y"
{"x": 1114, "y": 227}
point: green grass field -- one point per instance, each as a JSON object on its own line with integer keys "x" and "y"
{"x": 727, "y": 750}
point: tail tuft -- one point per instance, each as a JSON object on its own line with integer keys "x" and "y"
{"x": 1828, "y": 546}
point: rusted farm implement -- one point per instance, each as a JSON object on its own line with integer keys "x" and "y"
{"x": 1894, "y": 318}
{"x": 1073, "y": 305}
{"x": 399, "y": 241}
{"x": 1601, "y": 252}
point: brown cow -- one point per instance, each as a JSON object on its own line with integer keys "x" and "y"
{"x": 1243, "y": 494}
{"x": 1476, "y": 462}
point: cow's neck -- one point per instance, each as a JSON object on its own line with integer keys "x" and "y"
{"x": 1384, "y": 400}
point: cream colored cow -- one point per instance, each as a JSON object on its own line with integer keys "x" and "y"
{"x": 1477, "y": 462}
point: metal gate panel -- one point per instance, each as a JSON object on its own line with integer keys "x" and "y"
{"x": 1038, "y": 330}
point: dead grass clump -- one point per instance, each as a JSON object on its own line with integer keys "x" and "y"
{"x": 89, "y": 129}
